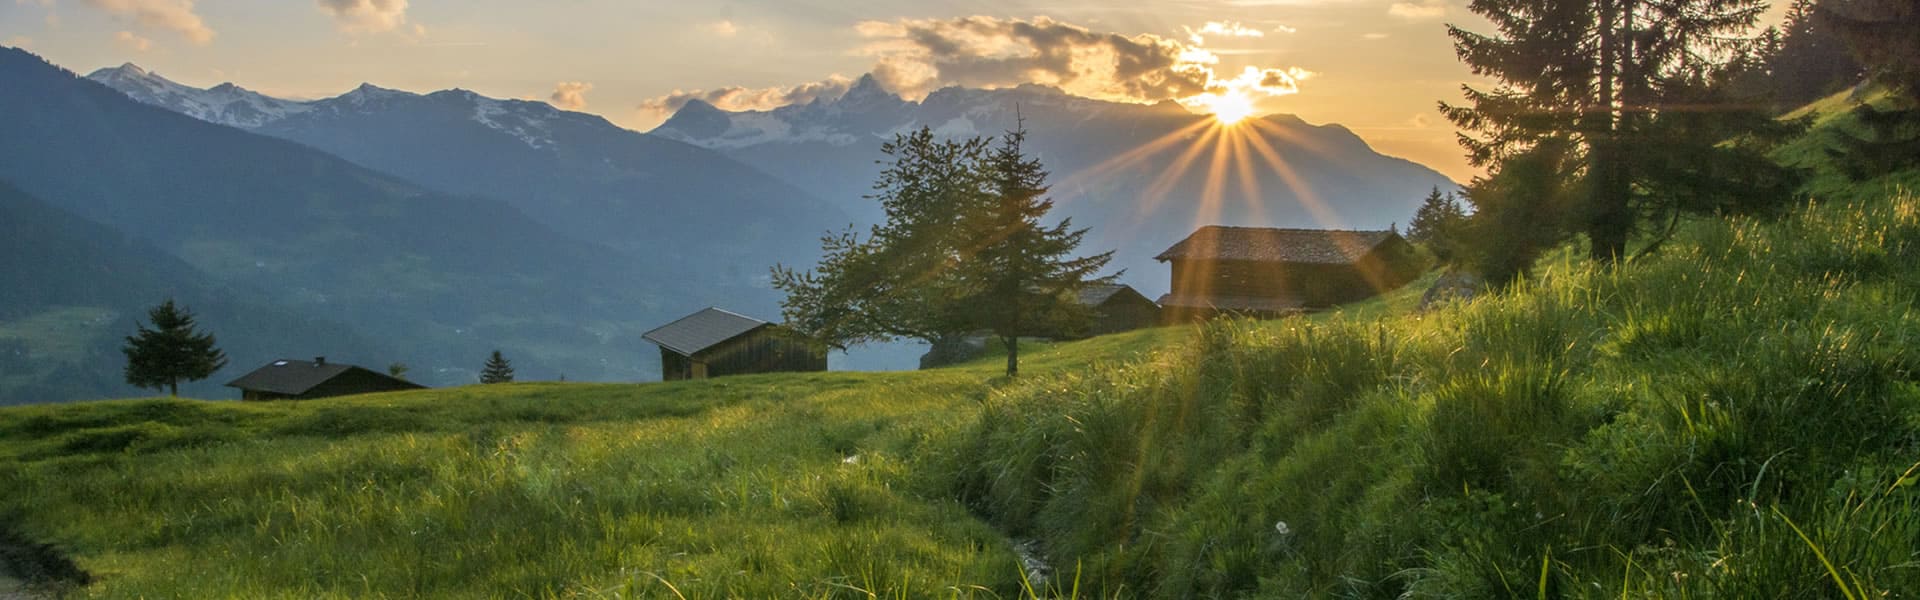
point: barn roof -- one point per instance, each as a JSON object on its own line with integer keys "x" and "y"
{"x": 1098, "y": 294}
{"x": 1267, "y": 244}
{"x": 295, "y": 377}
{"x": 702, "y": 330}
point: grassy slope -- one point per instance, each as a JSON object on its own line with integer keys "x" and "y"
{"x": 1736, "y": 417}
{"x": 736, "y": 487}
{"x": 1667, "y": 428}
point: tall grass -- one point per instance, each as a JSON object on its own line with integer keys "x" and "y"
{"x": 1669, "y": 419}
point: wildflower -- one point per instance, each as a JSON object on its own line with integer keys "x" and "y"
{"x": 1281, "y": 526}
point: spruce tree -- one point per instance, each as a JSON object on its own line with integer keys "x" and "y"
{"x": 1437, "y": 225}
{"x": 497, "y": 370}
{"x": 1592, "y": 76}
{"x": 1811, "y": 60}
{"x": 159, "y": 357}
{"x": 1026, "y": 278}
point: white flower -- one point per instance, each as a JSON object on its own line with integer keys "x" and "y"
{"x": 1281, "y": 526}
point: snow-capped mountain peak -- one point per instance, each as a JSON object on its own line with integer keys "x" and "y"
{"x": 226, "y": 104}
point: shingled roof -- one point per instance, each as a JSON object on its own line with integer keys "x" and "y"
{"x": 702, "y": 330}
{"x": 1318, "y": 246}
{"x": 1098, "y": 294}
{"x": 296, "y": 377}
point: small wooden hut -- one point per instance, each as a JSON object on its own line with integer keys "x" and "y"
{"x": 305, "y": 380}
{"x": 715, "y": 343}
{"x": 1270, "y": 272}
{"x": 1117, "y": 308}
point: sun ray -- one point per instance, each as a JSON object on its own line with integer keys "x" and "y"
{"x": 1157, "y": 191}
{"x": 1249, "y": 180}
{"x": 1128, "y": 158}
{"x": 1309, "y": 199}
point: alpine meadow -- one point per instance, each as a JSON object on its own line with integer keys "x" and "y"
{"x": 1561, "y": 299}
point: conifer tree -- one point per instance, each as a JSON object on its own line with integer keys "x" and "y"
{"x": 1437, "y": 224}
{"x": 1025, "y": 277}
{"x": 1592, "y": 76}
{"x": 1811, "y": 60}
{"x": 497, "y": 370}
{"x": 160, "y": 356}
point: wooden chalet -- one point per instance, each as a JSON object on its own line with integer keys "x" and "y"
{"x": 305, "y": 380}
{"x": 715, "y": 343}
{"x": 1270, "y": 272}
{"x": 1117, "y": 308}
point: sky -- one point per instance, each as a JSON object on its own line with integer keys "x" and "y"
{"x": 1378, "y": 67}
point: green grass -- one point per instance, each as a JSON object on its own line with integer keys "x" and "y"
{"x": 1737, "y": 416}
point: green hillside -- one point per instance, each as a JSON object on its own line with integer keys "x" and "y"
{"x": 1736, "y": 416}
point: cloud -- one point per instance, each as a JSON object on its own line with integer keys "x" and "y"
{"x": 570, "y": 95}
{"x": 20, "y": 41}
{"x": 737, "y": 98}
{"x": 171, "y": 15}
{"x": 914, "y": 57}
{"x": 1373, "y": 36}
{"x": 366, "y": 16}
{"x": 1285, "y": 29}
{"x": 1223, "y": 29}
{"x": 1422, "y": 11}
{"x": 128, "y": 40}
{"x": 724, "y": 28}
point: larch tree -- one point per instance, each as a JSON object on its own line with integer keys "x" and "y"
{"x": 161, "y": 356}
{"x": 963, "y": 249}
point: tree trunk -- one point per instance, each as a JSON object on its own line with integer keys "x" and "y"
{"x": 1012, "y": 343}
{"x": 173, "y": 388}
{"x": 1609, "y": 218}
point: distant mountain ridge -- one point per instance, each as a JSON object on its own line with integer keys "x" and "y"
{"x": 650, "y": 196}
{"x": 1142, "y": 176}
{"x": 86, "y": 285}
{"x": 442, "y": 277}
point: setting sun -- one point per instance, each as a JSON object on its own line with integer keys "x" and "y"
{"x": 1228, "y": 108}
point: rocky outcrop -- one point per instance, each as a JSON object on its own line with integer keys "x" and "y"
{"x": 1452, "y": 286}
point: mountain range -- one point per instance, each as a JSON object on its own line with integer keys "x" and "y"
{"x": 1141, "y": 176}
{"x": 680, "y": 206}
{"x": 444, "y": 278}
{"x": 451, "y": 223}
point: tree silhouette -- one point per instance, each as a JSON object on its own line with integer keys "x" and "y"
{"x": 497, "y": 370}
{"x": 170, "y": 351}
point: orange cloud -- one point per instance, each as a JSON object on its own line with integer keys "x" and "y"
{"x": 367, "y": 16}
{"x": 128, "y": 40}
{"x": 570, "y": 95}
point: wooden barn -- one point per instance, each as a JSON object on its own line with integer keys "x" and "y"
{"x": 306, "y": 380}
{"x": 715, "y": 343}
{"x": 1269, "y": 272}
{"x": 1117, "y": 308}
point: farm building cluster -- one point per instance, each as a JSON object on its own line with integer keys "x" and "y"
{"x": 1259, "y": 272}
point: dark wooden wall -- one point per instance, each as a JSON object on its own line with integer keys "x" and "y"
{"x": 764, "y": 350}
{"x": 1124, "y": 312}
{"x": 1313, "y": 285}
